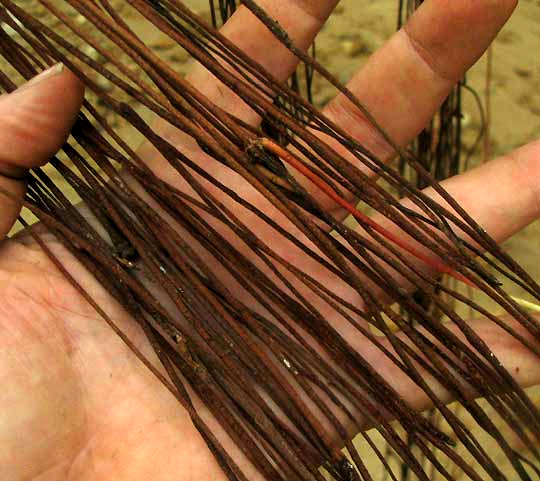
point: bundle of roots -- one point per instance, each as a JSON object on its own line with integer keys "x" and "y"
{"x": 235, "y": 321}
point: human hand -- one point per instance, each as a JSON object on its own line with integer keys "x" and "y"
{"x": 76, "y": 403}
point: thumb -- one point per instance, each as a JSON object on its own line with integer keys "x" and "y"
{"x": 35, "y": 121}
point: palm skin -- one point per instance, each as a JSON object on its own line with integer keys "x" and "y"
{"x": 76, "y": 404}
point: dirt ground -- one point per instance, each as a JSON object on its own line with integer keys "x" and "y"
{"x": 359, "y": 27}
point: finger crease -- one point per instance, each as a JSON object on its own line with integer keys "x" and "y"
{"x": 312, "y": 11}
{"x": 426, "y": 57}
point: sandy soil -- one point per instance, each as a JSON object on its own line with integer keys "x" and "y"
{"x": 359, "y": 27}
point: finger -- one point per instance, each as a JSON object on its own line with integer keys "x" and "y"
{"x": 302, "y": 19}
{"x": 519, "y": 361}
{"x": 35, "y": 121}
{"x": 405, "y": 81}
{"x": 502, "y": 196}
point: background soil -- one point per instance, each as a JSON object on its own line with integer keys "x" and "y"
{"x": 359, "y": 27}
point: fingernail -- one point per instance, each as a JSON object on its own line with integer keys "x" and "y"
{"x": 46, "y": 74}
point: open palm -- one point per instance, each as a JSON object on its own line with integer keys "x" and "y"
{"x": 75, "y": 403}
